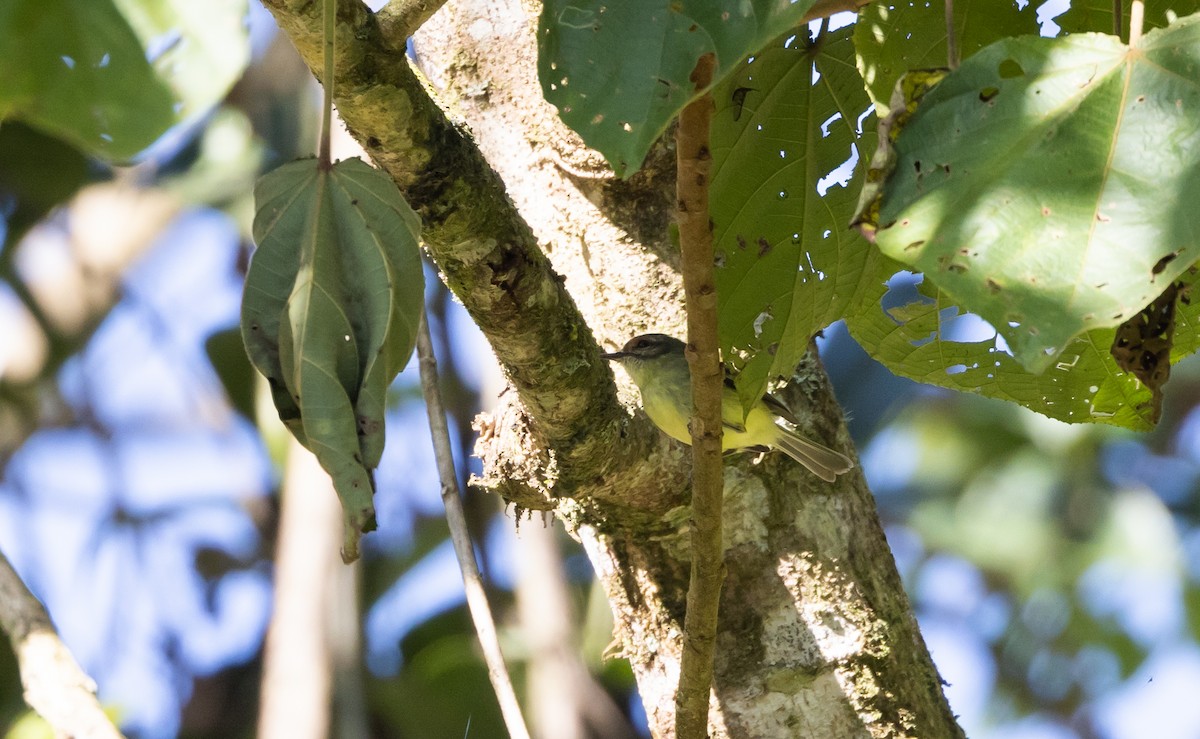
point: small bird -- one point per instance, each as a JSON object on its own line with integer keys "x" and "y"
{"x": 658, "y": 366}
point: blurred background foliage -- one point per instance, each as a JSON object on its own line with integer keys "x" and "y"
{"x": 1053, "y": 568}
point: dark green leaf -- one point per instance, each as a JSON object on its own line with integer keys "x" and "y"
{"x": 37, "y": 173}
{"x": 619, "y": 72}
{"x": 329, "y": 314}
{"x": 788, "y": 264}
{"x": 227, "y": 354}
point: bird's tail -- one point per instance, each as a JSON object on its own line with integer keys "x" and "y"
{"x": 823, "y": 461}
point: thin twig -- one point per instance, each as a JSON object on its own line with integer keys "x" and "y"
{"x": 329, "y": 33}
{"x": 1137, "y": 13}
{"x": 694, "y": 161}
{"x": 55, "y": 685}
{"x": 1117, "y": 20}
{"x": 951, "y": 37}
{"x": 481, "y": 613}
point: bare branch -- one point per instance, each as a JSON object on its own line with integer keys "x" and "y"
{"x": 481, "y": 613}
{"x": 401, "y": 18}
{"x": 700, "y": 297}
{"x": 55, "y": 685}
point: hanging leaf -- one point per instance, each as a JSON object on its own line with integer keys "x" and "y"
{"x": 619, "y": 72}
{"x": 330, "y": 315}
{"x": 1039, "y": 184}
{"x": 784, "y": 144}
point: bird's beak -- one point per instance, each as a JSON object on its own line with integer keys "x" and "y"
{"x": 613, "y": 356}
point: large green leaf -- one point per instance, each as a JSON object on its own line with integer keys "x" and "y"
{"x": 199, "y": 49}
{"x": 917, "y": 335}
{"x": 1097, "y": 15}
{"x": 787, "y": 262}
{"x": 619, "y": 72}
{"x": 1041, "y": 184}
{"x": 75, "y": 69}
{"x": 330, "y": 313}
{"x": 893, "y": 38}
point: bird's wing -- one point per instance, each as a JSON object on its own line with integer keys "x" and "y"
{"x": 729, "y": 385}
{"x": 779, "y": 409}
{"x": 773, "y": 404}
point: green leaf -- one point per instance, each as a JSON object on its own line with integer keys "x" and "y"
{"x": 398, "y": 297}
{"x": 619, "y": 72}
{"x": 200, "y": 49}
{"x": 74, "y": 68}
{"x": 787, "y": 263}
{"x": 918, "y": 336}
{"x": 330, "y": 312}
{"x": 1097, "y": 15}
{"x": 893, "y": 39}
{"x": 227, "y": 355}
{"x": 1039, "y": 184}
{"x": 37, "y": 173}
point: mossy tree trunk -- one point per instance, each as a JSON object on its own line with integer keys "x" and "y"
{"x": 554, "y": 258}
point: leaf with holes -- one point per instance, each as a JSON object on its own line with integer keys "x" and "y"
{"x": 893, "y": 39}
{"x": 1039, "y": 184}
{"x": 75, "y": 69}
{"x": 620, "y": 72}
{"x": 784, "y": 153}
{"x": 919, "y": 332}
{"x": 330, "y": 314}
{"x": 1097, "y": 15}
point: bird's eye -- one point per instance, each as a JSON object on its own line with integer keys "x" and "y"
{"x": 642, "y": 344}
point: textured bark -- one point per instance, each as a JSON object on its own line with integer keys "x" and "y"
{"x": 817, "y": 638}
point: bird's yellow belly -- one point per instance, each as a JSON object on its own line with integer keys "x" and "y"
{"x": 760, "y": 428}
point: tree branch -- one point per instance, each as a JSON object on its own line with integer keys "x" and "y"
{"x": 55, "y": 685}
{"x": 477, "y": 603}
{"x": 700, "y": 298}
{"x": 400, "y": 19}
